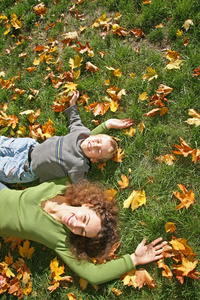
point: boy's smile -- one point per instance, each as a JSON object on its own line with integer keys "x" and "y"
{"x": 96, "y": 147}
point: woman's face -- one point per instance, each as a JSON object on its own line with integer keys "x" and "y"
{"x": 82, "y": 220}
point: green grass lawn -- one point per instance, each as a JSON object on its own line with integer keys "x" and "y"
{"x": 136, "y": 41}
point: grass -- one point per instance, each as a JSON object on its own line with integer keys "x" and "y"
{"x": 131, "y": 55}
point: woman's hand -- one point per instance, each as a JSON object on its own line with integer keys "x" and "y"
{"x": 119, "y": 123}
{"x": 145, "y": 254}
{"x": 74, "y": 98}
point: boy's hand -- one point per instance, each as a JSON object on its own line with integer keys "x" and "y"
{"x": 74, "y": 98}
{"x": 145, "y": 254}
{"x": 119, "y": 123}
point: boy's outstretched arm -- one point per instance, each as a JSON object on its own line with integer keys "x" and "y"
{"x": 119, "y": 123}
{"x": 112, "y": 124}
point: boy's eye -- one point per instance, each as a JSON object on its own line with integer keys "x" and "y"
{"x": 84, "y": 219}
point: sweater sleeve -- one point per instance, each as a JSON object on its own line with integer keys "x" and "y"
{"x": 97, "y": 274}
{"x": 73, "y": 117}
{"x": 102, "y": 128}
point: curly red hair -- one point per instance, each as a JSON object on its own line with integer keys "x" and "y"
{"x": 99, "y": 246}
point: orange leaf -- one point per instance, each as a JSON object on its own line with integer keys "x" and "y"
{"x": 124, "y": 182}
{"x": 167, "y": 272}
{"x": 117, "y": 292}
{"x": 184, "y": 148}
{"x": 186, "y": 198}
{"x": 119, "y": 156}
{"x": 83, "y": 284}
{"x": 25, "y": 251}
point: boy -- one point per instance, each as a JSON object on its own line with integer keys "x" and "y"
{"x": 24, "y": 160}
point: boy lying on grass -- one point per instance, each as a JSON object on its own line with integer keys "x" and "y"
{"x": 25, "y": 160}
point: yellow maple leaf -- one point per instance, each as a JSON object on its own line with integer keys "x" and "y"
{"x": 56, "y": 271}
{"x": 166, "y": 272}
{"x": 129, "y": 132}
{"x": 136, "y": 199}
{"x": 143, "y": 96}
{"x": 195, "y": 120}
{"x": 174, "y": 64}
{"x": 25, "y": 251}
{"x": 15, "y": 22}
{"x": 150, "y": 75}
{"x": 170, "y": 227}
{"x": 179, "y": 33}
{"x": 76, "y": 62}
{"x": 48, "y": 129}
{"x": 71, "y": 86}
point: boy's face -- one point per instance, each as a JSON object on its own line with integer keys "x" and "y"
{"x": 96, "y": 147}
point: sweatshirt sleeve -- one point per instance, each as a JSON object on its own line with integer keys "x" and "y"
{"x": 102, "y": 128}
{"x": 97, "y": 274}
{"x": 73, "y": 117}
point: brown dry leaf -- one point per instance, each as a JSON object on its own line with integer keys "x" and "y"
{"x": 98, "y": 108}
{"x": 166, "y": 272}
{"x": 164, "y": 89}
{"x": 91, "y": 67}
{"x": 137, "y": 32}
{"x": 187, "y": 24}
{"x": 40, "y": 9}
{"x": 9, "y": 259}
{"x": 184, "y": 148}
{"x": 170, "y": 227}
{"x": 124, "y": 182}
{"x": 119, "y": 156}
{"x": 83, "y": 284}
{"x": 186, "y": 198}
{"x": 195, "y": 120}
{"x": 136, "y": 199}
{"x": 14, "y": 242}
{"x": 186, "y": 41}
{"x": 196, "y": 72}
{"x": 15, "y": 288}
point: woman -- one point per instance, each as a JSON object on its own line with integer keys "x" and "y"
{"x": 42, "y": 214}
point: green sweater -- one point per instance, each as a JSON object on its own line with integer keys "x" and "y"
{"x": 22, "y": 216}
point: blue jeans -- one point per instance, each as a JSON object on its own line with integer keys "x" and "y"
{"x": 14, "y": 163}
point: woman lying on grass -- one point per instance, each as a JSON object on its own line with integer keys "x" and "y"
{"x": 78, "y": 222}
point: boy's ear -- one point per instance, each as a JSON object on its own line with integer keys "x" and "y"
{"x": 93, "y": 160}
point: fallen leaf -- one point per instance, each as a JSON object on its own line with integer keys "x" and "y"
{"x": 124, "y": 182}
{"x": 170, "y": 227}
{"x": 136, "y": 199}
{"x": 186, "y": 198}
